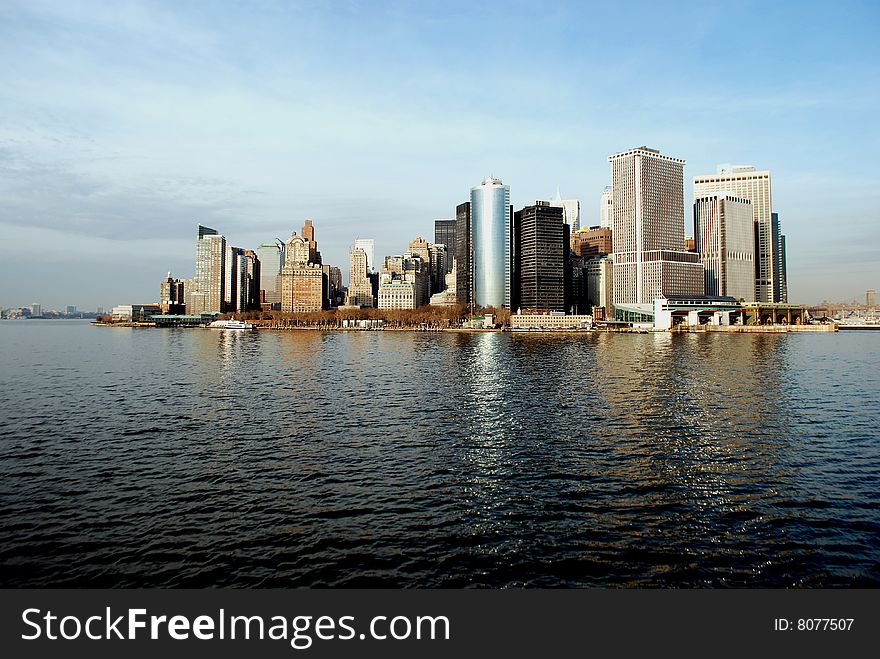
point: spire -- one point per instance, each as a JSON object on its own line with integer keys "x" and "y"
{"x": 558, "y": 196}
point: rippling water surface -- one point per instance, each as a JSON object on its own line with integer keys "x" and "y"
{"x": 145, "y": 457}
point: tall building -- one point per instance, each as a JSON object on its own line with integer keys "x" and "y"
{"x": 444, "y": 234}
{"x": 571, "y": 210}
{"x": 606, "y": 208}
{"x": 303, "y": 285}
{"x": 870, "y": 299}
{"x": 491, "y": 220}
{"x": 599, "y": 275}
{"x": 368, "y": 245}
{"x": 233, "y": 271}
{"x": 440, "y": 266}
{"x": 745, "y": 182}
{"x": 36, "y": 310}
{"x": 308, "y": 233}
{"x": 172, "y": 295}
{"x": 539, "y": 258}
{"x": 724, "y": 233}
{"x": 463, "y": 253}
{"x": 271, "y": 257}
{"x": 250, "y": 283}
{"x": 648, "y": 229}
{"x": 210, "y": 272}
{"x": 780, "y": 283}
{"x": 302, "y": 288}
{"x": 360, "y": 289}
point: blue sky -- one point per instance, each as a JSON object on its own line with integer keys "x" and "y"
{"x": 123, "y": 125}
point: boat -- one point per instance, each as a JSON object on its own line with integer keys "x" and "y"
{"x": 230, "y": 325}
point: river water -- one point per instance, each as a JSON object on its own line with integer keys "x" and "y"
{"x": 181, "y": 457}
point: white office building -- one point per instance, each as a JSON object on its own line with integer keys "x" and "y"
{"x": 648, "y": 229}
{"x": 725, "y": 238}
{"x": 746, "y": 182}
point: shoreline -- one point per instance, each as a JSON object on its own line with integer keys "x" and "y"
{"x": 702, "y": 329}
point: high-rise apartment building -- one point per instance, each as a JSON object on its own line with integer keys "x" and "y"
{"x": 463, "y": 253}
{"x": 210, "y": 272}
{"x": 745, "y": 182}
{"x": 491, "y": 220}
{"x": 36, "y": 310}
{"x": 606, "y": 208}
{"x": 444, "y": 234}
{"x": 870, "y": 299}
{"x": 360, "y": 288}
{"x": 648, "y": 229}
{"x": 368, "y": 245}
{"x": 724, "y": 234}
{"x": 539, "y": 258}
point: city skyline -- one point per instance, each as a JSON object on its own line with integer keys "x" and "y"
{"x": 126, "y": 126}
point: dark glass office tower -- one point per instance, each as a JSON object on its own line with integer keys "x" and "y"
{"x": 463, "y": 253}
{"x": 444, "y": 234}
{"x": 539, "y": 258}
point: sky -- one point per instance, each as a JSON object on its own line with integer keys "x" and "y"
{"x": 124, "y": 125}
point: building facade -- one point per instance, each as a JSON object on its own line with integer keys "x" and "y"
{"x": 745, "y": 182}
{"x": 368, "y": 245}
{"x": 210, "y": 277}
{"x": 271, "y": 257}
{"x": 491, "y": 244}
{"x": 444, "y": 234}
{"x": 599, "y": 275}
{"x": 606, "y": 208}
{"x": 591, "y": 242}
{"x": 463, "y": 255}
{"x": 724, "y": 234}
{"x": 648, "y": 229}
{"x": 360, "y": 288}
{"x": 571, "y": 210}
{"x": 539, "y": 258}
{"x": 304, "y": 285}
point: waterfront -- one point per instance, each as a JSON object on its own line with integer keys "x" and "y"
{"x": 198, "y": 458}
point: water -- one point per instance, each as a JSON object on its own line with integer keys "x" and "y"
{"x": 144, "y": 457}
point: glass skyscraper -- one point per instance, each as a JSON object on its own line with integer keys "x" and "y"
{"x": 491, "y": 243}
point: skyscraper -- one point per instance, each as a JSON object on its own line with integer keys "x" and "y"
{"x": 648, "y": 229}
{"x": 210, "y": 272}
{"x": 463, "y": 253}
{"x": 571, "y": 210}
{"x": 539, "y": 258}
{"x": 444, "y": 234}
{"x": 491, "y": 220}
{"x": 744, "y": 181}
{"x": 271, "y": 257}
{"x": 368, "y": 245}
{"x": 360, "y": 289}
{"x": 606, "y": 209}
{"x": 780, "y": 283}
{"x": 724, "y": 233}
{"x": 308, "y": 233}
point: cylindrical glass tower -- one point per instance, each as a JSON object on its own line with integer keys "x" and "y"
{"x": 491, "y": 243}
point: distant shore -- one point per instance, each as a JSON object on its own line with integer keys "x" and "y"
{"x": 680, "y": 329}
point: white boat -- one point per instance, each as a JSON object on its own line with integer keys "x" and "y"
{"x": 230, "y": 325}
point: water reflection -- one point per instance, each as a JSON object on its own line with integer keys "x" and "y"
{"x": 200, "y": 458}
